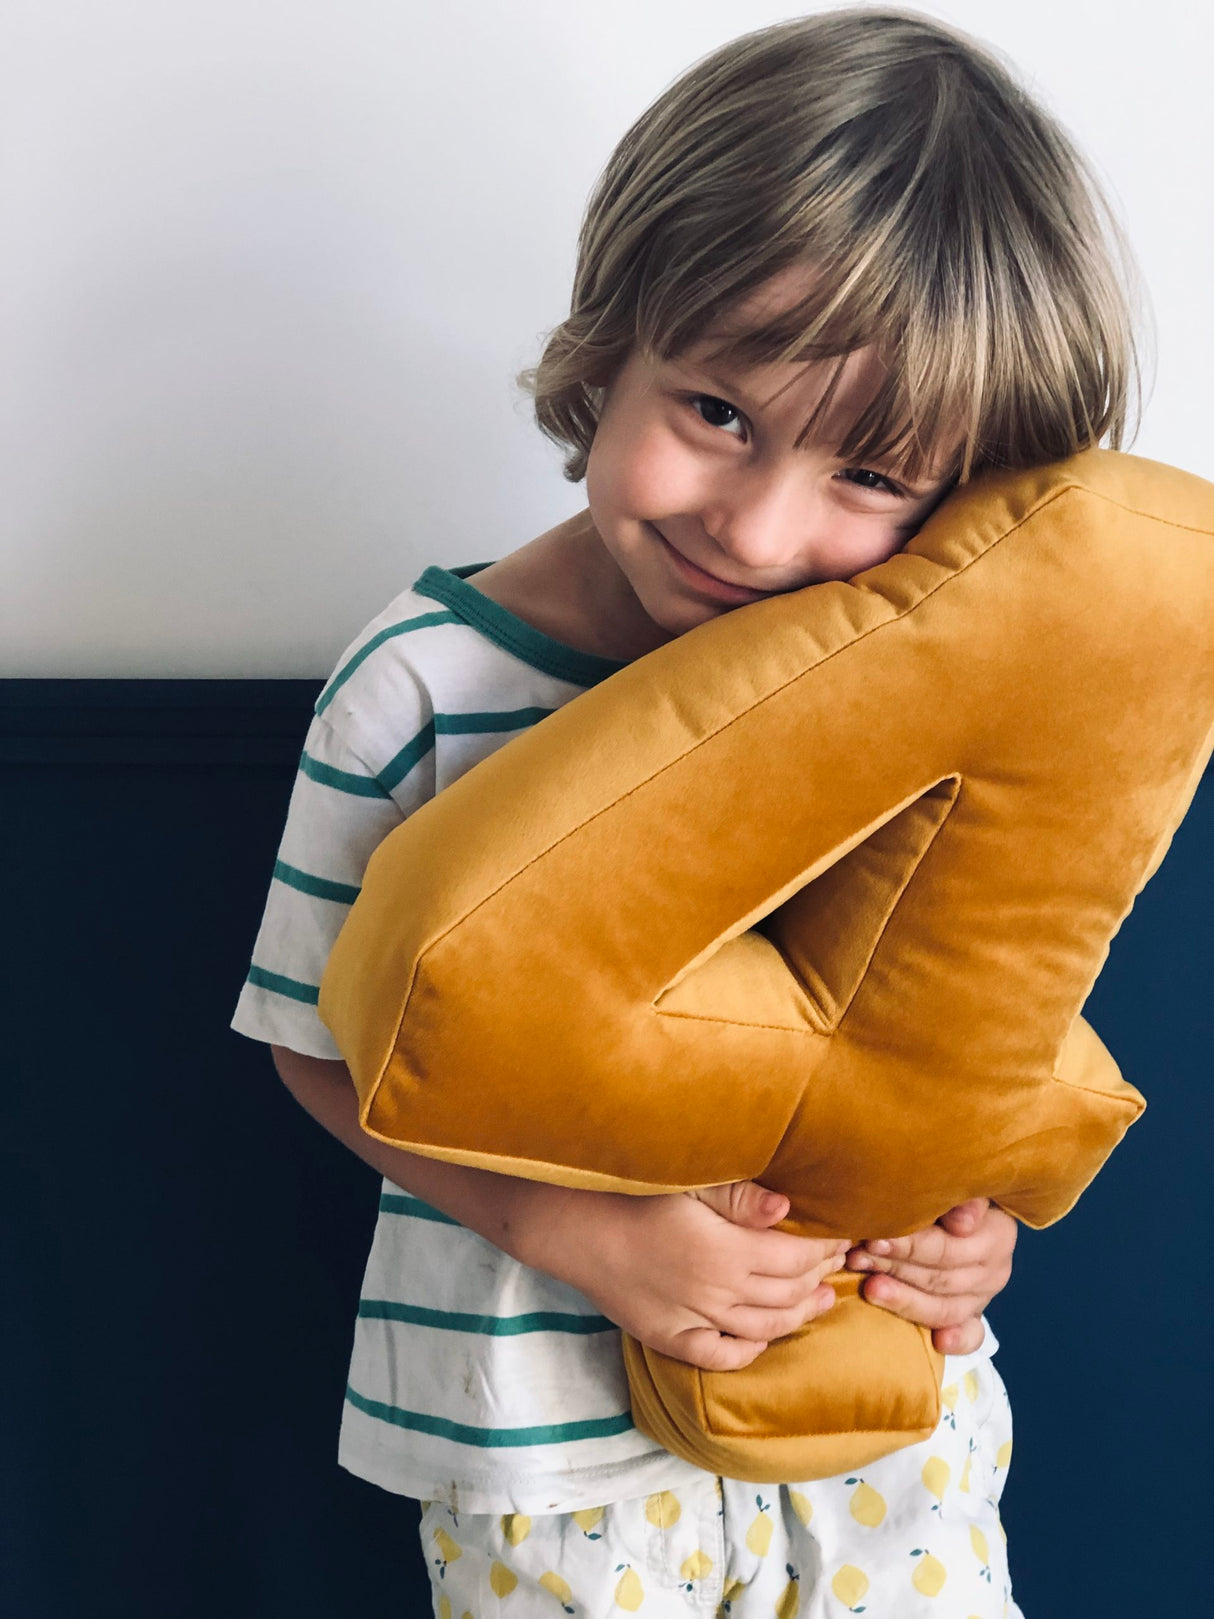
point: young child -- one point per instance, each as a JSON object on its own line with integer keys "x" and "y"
{"x": 840, "y": 265}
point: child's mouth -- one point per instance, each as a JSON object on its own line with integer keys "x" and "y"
{"x": 707, "y": 584}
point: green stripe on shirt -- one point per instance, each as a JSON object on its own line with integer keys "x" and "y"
{"x": 424, "y": 621}
{"x": 345, "y": 781}
{"x": 490, "y": 719}
{"x": 399, "y": 1203}
{"x": 490, "y": 1326}
{"x": 490, "y": 1438}
{"x": 318, "y": 887}
{"x": 309, "y": 994}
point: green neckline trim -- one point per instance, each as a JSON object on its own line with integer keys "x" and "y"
{"x": 541, "y": 651}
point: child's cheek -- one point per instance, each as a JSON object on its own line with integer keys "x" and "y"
{"x": 658, "y": 474}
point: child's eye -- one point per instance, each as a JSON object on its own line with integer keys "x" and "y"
{"x": 714, "y": 404}
{"x": 880, "y": 480}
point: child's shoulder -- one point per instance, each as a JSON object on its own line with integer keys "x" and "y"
{"x": 431, "y": 652}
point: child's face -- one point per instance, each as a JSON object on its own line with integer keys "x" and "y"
{"x": 694, "y": 474}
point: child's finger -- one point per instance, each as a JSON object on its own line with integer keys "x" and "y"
{"x": 965, "y": 1218}
{"x": 931, "y": 1247}
{"x": 940, "y": 1279}
{"x": 924, "y": 1309}
{"x": 962, "y": 1340}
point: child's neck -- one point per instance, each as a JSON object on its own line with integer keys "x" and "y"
{"x": 567, "y": 584}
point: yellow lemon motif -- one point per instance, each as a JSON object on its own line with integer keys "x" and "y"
{"x": 696, "y": 1567}
{"x": 788, "y": 1603}
{"x": 972, "y": 1386}
{"x": 502, "y": 1580}
{"x": 935, "y": 1475}
{"x": 850, "y": 1585}
{"x": 801, "y": 1505}
{"x": 964, "y": 1481}
{"x": 732, "y": 1587}
{"x": 629, "y": 1592}
{"x": 1003, "y": 1455}
{"x": 555, "y": 1584}
{"x": 758, "y": 1536}
{"x": 663, "y": 1511}
{"x": 587, "y": 1519}
{"x": 1001, "y": 1529}
{"x": 444, "y": 1606}
{"x": 447, "y": 1546}
{"x": 516, "y": 1526}
{"x": 978, "y": 1542}
{"x": 949, "y": 1396}
{"x": 866, "y": 1506}
{"x": 929, "y": 1576}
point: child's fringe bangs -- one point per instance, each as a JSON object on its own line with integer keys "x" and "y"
{"x": 950, "y": 222}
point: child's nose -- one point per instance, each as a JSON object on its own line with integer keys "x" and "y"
{"x": 774, "y": 533}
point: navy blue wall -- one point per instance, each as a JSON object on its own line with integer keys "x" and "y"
{"x": 188, "y": 1244}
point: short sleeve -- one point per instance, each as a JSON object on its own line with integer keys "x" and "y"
{"x": 340, "y": 810}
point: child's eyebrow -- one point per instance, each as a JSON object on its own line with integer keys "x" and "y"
{"x": 730, "y": 381}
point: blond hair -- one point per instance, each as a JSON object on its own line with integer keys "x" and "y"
{"x": 951, "y": 220}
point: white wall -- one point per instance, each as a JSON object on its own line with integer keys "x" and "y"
{"x": 269, "y": 267}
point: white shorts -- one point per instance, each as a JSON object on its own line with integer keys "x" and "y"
{"x": 913, "y": 1535}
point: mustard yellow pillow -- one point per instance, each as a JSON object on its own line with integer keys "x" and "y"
{"x": 814, "y": 895}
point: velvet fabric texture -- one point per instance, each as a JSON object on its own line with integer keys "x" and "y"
{"x": 813, "y": 894}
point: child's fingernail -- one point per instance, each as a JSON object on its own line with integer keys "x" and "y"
{"x": 878, "y": 1247}
{"x": 772, "y": 1202}
{"x": 862, "y": 1262}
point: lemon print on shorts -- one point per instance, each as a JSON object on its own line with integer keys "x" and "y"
{"x": 981, "y": 1552}
{"x": 562, "y": 1593}
{"x": 444, "y": 1606}
{"x": 850, "y": 1585}
{"x": 516, "y": 1526}
{"x": 448, "y": 1551}
{"x": 696, "y": 1567}
{"x": 788, "y": 1603}
{"x": 663, "y": 1511}
{"x": 732, "y": 1587}
{"x": 758, "y": 1536}
{"x": 801, "y": 1505}
{"x": 935, "y": 1475}
{"x": 866, "y": 1506}
{"x": 629, "y": 1592}
{"x": 587, "y": 1521}
{"x": 1003, "y": 1456}
{"x": 963, "y": 1483}
{"x": 930, "y": 1573}
{"x": 502, "y": 1580}
{"x": 971, "y": 1386}
{"x": 948, "y": 1398}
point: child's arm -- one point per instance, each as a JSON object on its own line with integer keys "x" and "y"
{"x": 710, "y": 1288}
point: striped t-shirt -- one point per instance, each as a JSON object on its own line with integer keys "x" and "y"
{"x": 474, "y": 1380}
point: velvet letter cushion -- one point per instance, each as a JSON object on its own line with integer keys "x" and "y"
{"x": 813, "y": 894}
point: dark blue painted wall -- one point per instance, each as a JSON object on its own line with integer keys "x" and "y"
{"x": 186, "y": 1245}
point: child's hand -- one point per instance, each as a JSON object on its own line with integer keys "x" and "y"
{"x": 943, "y": 1277}
{"x": 695, "y": 1275}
